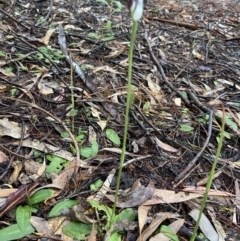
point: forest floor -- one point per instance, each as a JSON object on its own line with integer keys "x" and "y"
{"x": 63, "y": 75}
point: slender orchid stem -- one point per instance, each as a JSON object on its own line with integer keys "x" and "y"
{"x": 210, "y": 179}
{"x": 126, "y": 122}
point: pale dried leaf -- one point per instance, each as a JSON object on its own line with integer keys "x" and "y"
{"x": 198, "y": 55}
{"x": 218, "y": 226}
{"x": 3, "y": 157}
{"x": 154, "y": 87}
{"x": 104, "y": 188}
{"x": 77, "y": 212}
{"x": 93, "y": 235}
{"x": 4, "y": 72}
{"x": 64, "y": 177}
{"x": 102, "y": 124}
{"x": 118, "y": 150}
{"x": 17, "y": 165}
{"x": 47, "y": 36}
{"x": 154, "y": 225}
{"x": 166, "y": 196}
{"x": 178, "y": 101}
{"x": 164, "y": 146}
{"x": 56, "y": 224}
{"x": 115, "y": 52}
{"x": 106, "y": 68}
{"x": 175, "y": 226}
{"x": 142, "y": 217}
{"x": 41, "y": 225}
{"x": 12, "y": 129}
{"x": 46, "y": 148}
{"x": 7, "y": 192}
{"x": 44, "y": 87}
{"x": 212, "y": 192}
{"x": 135, "y": 196}
{"x": 205, "y": 225}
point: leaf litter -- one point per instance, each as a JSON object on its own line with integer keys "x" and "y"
{"x": 196, "y": 45}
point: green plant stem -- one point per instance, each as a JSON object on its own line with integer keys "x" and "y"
{"x": 126, "y": 122}
{"x": 210, "y": 179}
{"x": 72, "y": 97}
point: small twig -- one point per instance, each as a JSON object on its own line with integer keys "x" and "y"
{"x": 177, "y": 23}
{"x": 160, "y": 69}
{"x": 192, "y": 163}
{"x": 14, "y": 19}
{"x": 197, "y": 102}
{"x": 48, "y": 14}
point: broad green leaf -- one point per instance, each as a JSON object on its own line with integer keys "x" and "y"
{"x": 13, "y": 232}
{"x": 23, "y": 215}
{"x": 113, "y": 137}
{"x": 77, "y": 230}
{"x": 186, "y": 128}
{"x": 56, "y": 164}
{"x": 96, "y": 185}
{"x": 89, "y": 151}
{"x": 40, "y": 196}
{"x": 56, "y": 210}
{"x": 167, "y": 231}
{"x": 126, "y": 214}
{"x": 115, "y": 237}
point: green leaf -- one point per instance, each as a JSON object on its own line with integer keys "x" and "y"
{"x": 13, "y": 232}
{"x": 167, "y": 231}
{"x": 77, "y": 230}
{"x": 103, "y": 2}
{"x": 186, "y": 128}
{"x": 56, "y": 210}
{"x": 56, "y": 164}
{"x": 146, "y": 108}
{"x": 231, "y": 123}
{"x": 73, "y": 112}
{"x": 40, "y": 196}
{"x": 89, "y": 151}
{"x": 96, "y": 185}
{"x": 65, "y": 135}
{"x": 113, "y": 137}
{"x": 13, "y": 91}
{"x": 23, "y": 215}
{"x": 106, "y": 209}
{"x": 9, "y": 70}
{"x": 2, "y": 54}
{"x": 126, "y": 214}
{"x": 108, "y": 25}
{"x": 115, "y": 237}
{"x": 93, "y": 35}
{"x": 108, "y": 37}
{"x": 119, "y": 6}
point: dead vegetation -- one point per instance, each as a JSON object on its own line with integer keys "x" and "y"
{"x": 63, "y": 71}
